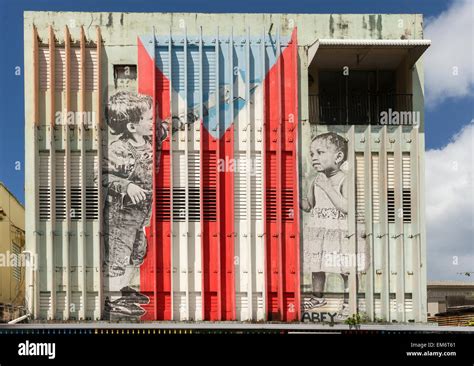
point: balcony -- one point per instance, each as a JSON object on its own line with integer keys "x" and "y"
{"x": 356, "y": 108}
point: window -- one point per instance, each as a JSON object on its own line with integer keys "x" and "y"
{"x": 356, "y": 98}
{"x": 125, "y": 76}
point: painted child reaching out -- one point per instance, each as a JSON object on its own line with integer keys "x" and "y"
{"x": 128, "y": 177}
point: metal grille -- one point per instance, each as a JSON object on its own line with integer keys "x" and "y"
{"x": 244, "y": 168}
{"x": 391, "y": 187}
{"x": 287, "y": 193}
{"x": 92, "y": 189}
{"x": 43, "y": 60}
{"x": 406, "y": 187}
{"x": 375, "y": 188}
{"x": 271, "y": 197}
{"x": 91, "y": 69}
{"x": 210, "y": 186}
{"x": 44, "y": 186}
{"x": 194, "y": 184}
{"x": 60, "y": 69}
{"x": 60, "y": 175}
{"x": 76, "y": 191}
{"x": 16, "y": 270}
{"x": 360, "y": 187}
{"x": 75, "y": 74}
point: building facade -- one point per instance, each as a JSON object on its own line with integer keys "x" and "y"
{"x": 225, "y": 166}
{"x": 444, "y": 296}
{"x": 12, "y": 244}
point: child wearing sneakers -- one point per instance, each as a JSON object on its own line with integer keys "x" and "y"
{"x": 127, "y": 177}
{"x": 327, "y": 202}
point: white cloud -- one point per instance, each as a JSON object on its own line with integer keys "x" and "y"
{"x": 452, "y": 47}
{"x": 450, "y": 207}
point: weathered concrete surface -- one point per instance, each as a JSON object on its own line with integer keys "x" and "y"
{"x": 123, "y": 28}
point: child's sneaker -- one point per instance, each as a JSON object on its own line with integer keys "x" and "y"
{"x": 313, "y": 302}
{"x": 132, "y": 296}
{"x": 121, "y": 308}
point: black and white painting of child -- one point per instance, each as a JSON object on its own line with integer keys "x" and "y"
{"x": 127, "y": 180}
{"x": 325, "y": 232}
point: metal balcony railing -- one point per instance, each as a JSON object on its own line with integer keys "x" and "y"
{"x": 356, "y": 108}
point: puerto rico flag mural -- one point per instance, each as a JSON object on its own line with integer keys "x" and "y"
{"x": 210, "y": 230}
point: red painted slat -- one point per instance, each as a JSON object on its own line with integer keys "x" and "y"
{"x": 293, "y": 129}
{"x": 226, "y": 197}
{"x": 217, "y": 201}
{"x": 155, "y": 272}
{"x": 279, "y": 228}
{"x": 210, "y": 229}
{"x": 201, "y": 195}
{"x": 281, "y": 193}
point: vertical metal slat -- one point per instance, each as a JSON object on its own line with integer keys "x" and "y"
{"x": 399, "y": 242}
{"x": 279, "y": 168}
{"x": 98, "y": 128}
{"x": 201, "y": 155}
{"x": 383, "y": 235}
{"x": 52, "y": 148}
{"x": 353, "y": 288}
{"x": 67, "y": 225}
{"x": 369, "y": 228}
{"x": 170, "y": 137}
{"x": 155, "y": 236}
{"x": 264, "y": 156}
{"x": 186, "y": 170}
{"x": 248, "y": 193}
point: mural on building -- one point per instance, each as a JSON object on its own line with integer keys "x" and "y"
{"x": 225, "y": 216}
{"x": 133, "y": 254}
{"x": 325, "y": 236}
{"x": 127, "y": 178}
